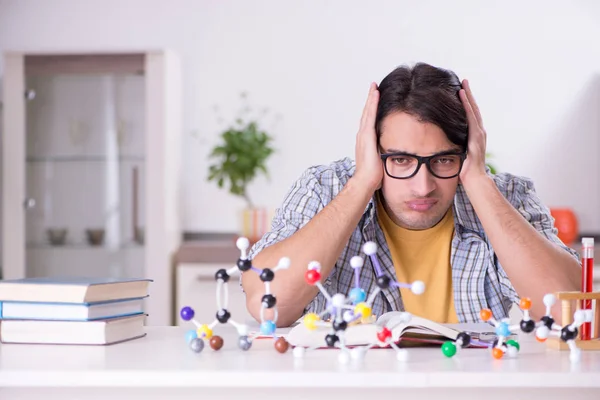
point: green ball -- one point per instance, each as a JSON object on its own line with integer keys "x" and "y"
{"x": 513, "y": 343}
{"x": 449, "y": 349}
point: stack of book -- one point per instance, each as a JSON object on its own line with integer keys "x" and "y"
{"x": 82, "y": 311}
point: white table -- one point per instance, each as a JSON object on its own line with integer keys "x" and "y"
{"x": 160, "y": 366}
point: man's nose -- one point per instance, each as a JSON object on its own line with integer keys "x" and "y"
{"x": 423, "y": 183}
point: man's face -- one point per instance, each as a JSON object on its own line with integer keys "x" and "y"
{"x": 422, "y": 201}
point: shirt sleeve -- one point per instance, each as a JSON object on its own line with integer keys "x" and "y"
{"x": 300, "y": 205}
{"x": 303, "y": 201}
{"x": 524, "y": 198}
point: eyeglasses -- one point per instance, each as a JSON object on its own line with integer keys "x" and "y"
{"x": 444, "y": 165}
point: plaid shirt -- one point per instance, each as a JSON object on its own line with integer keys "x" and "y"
{"x": 478, "y": 279}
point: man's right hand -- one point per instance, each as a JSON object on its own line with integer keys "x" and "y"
{"x": 369, "y": 167}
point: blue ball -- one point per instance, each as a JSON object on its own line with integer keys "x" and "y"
{"x": 502, "y": 329}
{"x": 187, "y": 313}
{"x": 190, "y": 335}
{"x": 357, "y": 295}
{"x": 267, "y": 328}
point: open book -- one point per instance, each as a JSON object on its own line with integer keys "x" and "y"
{"x": 417, "y": 331}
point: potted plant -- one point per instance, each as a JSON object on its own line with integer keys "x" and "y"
{"x": 239, "y": 157}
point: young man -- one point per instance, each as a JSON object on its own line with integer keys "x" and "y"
{"x": 420, "y": 189}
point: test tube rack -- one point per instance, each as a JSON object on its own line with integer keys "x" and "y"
{"x": 571, "y": 301}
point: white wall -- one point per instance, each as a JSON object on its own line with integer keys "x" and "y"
{"x": 534, "y": 68}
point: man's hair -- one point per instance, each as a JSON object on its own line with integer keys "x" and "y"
{"x": 427, "y": 93}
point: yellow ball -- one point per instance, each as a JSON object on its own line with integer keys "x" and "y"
{"x": 204, "y": 331}
{"x": 363, "y": 309}
{"x": 310, "y": 321}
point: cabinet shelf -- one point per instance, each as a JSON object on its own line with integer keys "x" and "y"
{"x": 92, "y": 151}
{"x": 68, "y": 159}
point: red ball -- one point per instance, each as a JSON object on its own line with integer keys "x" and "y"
{"x": 312, "y": 276}
{"x": 384, "y": 335}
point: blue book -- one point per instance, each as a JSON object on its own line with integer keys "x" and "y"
{"x": 72, "y": 289}
{"x": 71, "y": 312}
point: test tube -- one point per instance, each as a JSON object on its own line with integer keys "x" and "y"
{"x": 587, "y": 278}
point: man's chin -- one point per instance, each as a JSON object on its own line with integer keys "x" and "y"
{"x": 423, "y": 220}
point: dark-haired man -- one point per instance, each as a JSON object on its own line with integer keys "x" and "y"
{"x": 419, "y": 189}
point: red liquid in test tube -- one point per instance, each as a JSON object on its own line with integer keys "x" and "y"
{"x": 587, "y": 270}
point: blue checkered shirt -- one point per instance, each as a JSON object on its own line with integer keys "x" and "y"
{"x": 478, "y": 279}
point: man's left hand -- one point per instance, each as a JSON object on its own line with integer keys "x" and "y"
{"x": 474, "y": 166}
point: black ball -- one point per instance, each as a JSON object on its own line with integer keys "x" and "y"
{"x": 331, "y": 340}
{"x": 223, "y": 316}
{"x": 383, "y": 282}
{"x": 566, "y": 334}
{"x": 527, "y": 326}
{"x": 465, "y": 338}
{"x": 244, "y": 265}
{"x": 340, "y": 326}
{"x": 222, "y": 275}
{"x": 269, "y": 300}
{"x": 267, "y": 275}
{"x": 547, "y": 321}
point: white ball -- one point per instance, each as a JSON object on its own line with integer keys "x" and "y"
{"x": 589, "y": 315}
{"x": 370, "y": 248}
{"x": 404, "y": 317}
{"x": 357, "y": 353}
{"x": 242, "y": 243}
{"x": 418, "y": 287}
{"x": 549, "y": 300}
{"x": 579, "y": 317}
{"x": 314, "y": 265}
{"x": 242, "y": 330}
{"x": 343, "y": 357}
{"x": 512, "y": 351}
{"x": 298, "y": 352}
{"x": 338, "y": 300}
{"x": 348, "y": 315}
{"x": 575, "y": 355}
{"x": 356, "y": 262}
{"x": 284, "y": 263}
{"x": 402, "y": 355}
{"x": 542, "y": 332}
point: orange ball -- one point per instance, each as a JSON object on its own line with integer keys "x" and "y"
{"x": 497, "y": 353}
{"x": 566, "y": 223}
{"x": 525, "y": 303}
{"x": 485, "y": 314}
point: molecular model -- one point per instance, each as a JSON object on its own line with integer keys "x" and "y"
{"x": 196, "y": 338}
{"x": 546, "y": 326}
{"x": 567, "y": 334}
{"x": 347, "y": 310}
{"x": 502, "y": 345}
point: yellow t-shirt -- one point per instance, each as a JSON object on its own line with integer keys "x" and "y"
{"x": 423, "y": 255}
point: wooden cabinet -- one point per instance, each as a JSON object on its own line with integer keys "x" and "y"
{"x": 91, "y": 168}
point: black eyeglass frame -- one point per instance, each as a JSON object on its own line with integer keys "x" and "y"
{"x": 425, "y": 160}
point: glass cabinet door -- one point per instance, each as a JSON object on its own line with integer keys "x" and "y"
{"x": 85, "y": 167}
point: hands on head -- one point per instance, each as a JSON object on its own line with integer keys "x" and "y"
{"x": 475, "y": 163}
{"x": 369, "y": 167}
